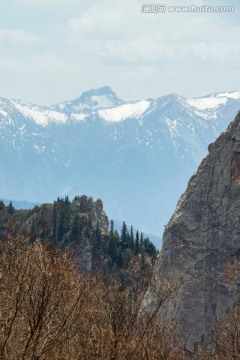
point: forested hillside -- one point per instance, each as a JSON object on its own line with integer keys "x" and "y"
{"x": 81, "y": 228}
{"x": 72, "y": 289}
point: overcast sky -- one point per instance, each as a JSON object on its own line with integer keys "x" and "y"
{"x": 53, "y": 50}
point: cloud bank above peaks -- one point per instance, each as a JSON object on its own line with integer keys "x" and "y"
{"x": 92, "y": 43}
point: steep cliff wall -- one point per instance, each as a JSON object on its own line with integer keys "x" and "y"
{"x": 202, "y": 240}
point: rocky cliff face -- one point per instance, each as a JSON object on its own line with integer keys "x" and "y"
{"x": 202, "y": 240}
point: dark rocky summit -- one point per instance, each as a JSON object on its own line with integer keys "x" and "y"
{"x": 202, "y": 240}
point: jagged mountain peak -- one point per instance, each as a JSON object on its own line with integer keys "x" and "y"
{"x": 103, "y": 97}
{"x": 63, "y": 149}
{"x": 172, "y": 97}
{"x": 104, "y": 90}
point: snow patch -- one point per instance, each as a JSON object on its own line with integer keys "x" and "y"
{"x": 172, "y": 125}
{"x": 78, "y": 117}
{"x": 41, "y": 117}
{"x": 4, "y": 113}
{"x": 233, "y": 95}
{"x": 39, "y": 149}
{"x": 123, "y": 112}
{"x": 208, "y": 115}
{"x": 207, "y": 102}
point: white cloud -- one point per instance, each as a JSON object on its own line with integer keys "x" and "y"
{"x": 219, "y": 51}
{"x": 49, "y": 3}
{"x": 120, "y": 31}
{"x": 134, "y": 51}
{"x": 19, "y": 36}
{"x": 102, "y": 17}
{"x": 93, "y": 43}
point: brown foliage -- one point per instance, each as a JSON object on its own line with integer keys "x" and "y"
{"x": 41, "y": 297}
{"x": 48, "y": 311}
{"x": 227, "y": 335}
{"x": 224, "y": 343}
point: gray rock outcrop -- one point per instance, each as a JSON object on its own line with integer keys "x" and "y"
{"x": 202, "y": 240}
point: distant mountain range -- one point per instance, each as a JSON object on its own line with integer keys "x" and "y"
{"x": 137, "y": 156}
{"x": 20, "y": 205}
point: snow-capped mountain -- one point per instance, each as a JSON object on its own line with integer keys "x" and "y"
{"x": 137, "y": 156}
{"x": 90, "y": 100}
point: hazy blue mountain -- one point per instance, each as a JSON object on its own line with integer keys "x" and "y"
{"x": 20, "y": 205}
{"x": 136, "y": 156}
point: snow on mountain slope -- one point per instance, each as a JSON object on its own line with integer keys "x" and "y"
{"x": 104, "y": 103}
{"x": 172, "y": 121}
{"x": 232, "y": 95}
{"x": 136, "y": 156}
{"x": 41, "y": 116}
{"x": 123, "y": 112}
{"x": 209, "y": 106}
{"x": 44, "y": 116}
{"x": 78, "y": 117}
{"x": 207, "y": 103}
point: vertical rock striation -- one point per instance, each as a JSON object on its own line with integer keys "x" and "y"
{"x": 202, "y": 240}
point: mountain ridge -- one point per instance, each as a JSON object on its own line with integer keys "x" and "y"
{"x": 137, "y": 156}
{"x": 212, "y": 101}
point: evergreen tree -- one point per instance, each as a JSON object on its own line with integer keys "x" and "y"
{"x": 76, "y": 229}
{"x": 2, "y": 205}
{"x": 60, "y": 227}
{"x": 131, "y": 239}
{"x": 124, "y": 236}
{"x": 97, "y": 242}
{"x": 112, "y": 243}
{"x": 112, "y": 249}
{"x": 54, "y": 220}
{"x": 11, "y": 208}
{"x": 111, "y": 228}
{"x": 63, "y": 218}
{"x": 66, "y": 200}
{"x": 141, "y": 243}
{"x": 119, "y": 258}
{"x": 136, "y": 245}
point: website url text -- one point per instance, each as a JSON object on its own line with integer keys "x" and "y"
{"x": 162, "y": 8}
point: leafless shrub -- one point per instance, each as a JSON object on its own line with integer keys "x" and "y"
{"x": 48, "y": 311}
